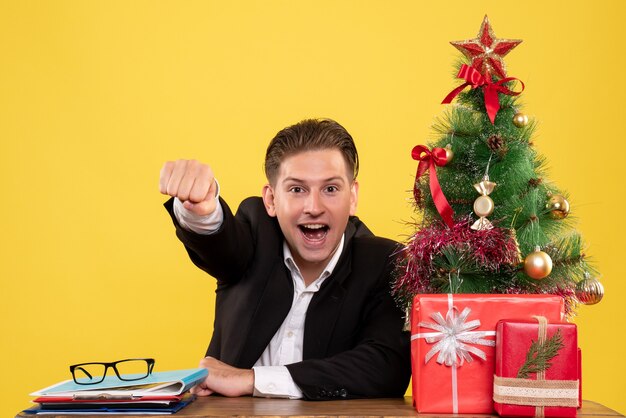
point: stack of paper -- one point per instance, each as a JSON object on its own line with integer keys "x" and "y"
{"x": 159, "y": 393}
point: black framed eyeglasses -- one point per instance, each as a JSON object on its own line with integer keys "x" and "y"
{"x": 126, "y": 370}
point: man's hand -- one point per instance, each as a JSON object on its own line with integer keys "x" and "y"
{"x": 224, "y": 379}
{"x": 192, "y": 182}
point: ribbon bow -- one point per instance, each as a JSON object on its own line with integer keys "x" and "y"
{"x": 451, "y": 336}
{"x": 427, "y": 161}
{"x": 475, "y": 79}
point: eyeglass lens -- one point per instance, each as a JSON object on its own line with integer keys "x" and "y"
{"x": 89, "y": 373}
{"x": 132, "y": 369}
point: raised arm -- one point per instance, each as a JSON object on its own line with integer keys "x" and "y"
{"x": 220, "y": 247}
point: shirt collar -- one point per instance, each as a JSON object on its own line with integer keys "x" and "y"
{"x": 328, "y": 270}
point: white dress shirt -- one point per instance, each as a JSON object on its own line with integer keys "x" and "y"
{"x": 271, "y": 377}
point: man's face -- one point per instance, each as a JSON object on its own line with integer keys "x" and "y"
{"x": 312, "y": 197}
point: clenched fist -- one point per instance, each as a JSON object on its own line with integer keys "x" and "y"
{"x": 192, "y": 182}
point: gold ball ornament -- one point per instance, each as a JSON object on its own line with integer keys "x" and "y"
{"x": 537, "y": 265}
{"x": 449, "y": 153}
{"x": 589, "y": 290}
{"x": 520, "y": 120}
{"x": 558, "y": 206}
{"x": 483, "y": 206}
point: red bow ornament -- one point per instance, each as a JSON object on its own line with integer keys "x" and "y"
{"x": 475, "y": 79}
{"x": 427, "y": 161}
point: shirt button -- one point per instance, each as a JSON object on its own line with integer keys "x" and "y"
{"x": 290, "y": 334}
{"x": 271, "y": 387}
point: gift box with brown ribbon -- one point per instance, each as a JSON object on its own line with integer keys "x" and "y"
{"x": 537, "y": 369}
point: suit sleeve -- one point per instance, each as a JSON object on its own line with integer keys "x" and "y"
{"x": 226, "y": 253}
{"x": 379, "y": 363}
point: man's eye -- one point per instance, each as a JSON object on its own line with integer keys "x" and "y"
{"x": 332, "y": 189}
{"x": 296, "y": 189}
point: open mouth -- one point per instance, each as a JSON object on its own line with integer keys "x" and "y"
{"x": 314, "y": 232}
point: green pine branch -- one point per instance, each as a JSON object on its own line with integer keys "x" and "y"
{"x": 540, "y": 355}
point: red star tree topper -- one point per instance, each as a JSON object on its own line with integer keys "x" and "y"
{"x": 486, "y": 51}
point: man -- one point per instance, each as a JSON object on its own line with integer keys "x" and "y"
{"x": 303, "y": 305}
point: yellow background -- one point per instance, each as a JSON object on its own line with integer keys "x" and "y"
{"x": 95, "y": 95}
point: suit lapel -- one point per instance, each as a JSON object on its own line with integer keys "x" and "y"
{"x": 325, "y": 308}
{"x": 271, "y": 311}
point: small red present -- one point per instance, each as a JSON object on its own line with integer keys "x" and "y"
{"x": 537, "y": 370}
{"x": 453, "y": 346}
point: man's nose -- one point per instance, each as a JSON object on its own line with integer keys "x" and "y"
{"x": 314, "y": 205}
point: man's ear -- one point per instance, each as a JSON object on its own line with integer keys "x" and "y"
{"x": 354, "y": 197}
{"x": 268, "y": 200}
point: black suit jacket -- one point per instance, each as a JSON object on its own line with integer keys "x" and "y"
{"x": 354, "y": 345}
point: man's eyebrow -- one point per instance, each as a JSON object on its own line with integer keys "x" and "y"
{"x": 328, "y": 180}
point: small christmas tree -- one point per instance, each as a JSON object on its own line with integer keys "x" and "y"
{"x": 491, "y": 220}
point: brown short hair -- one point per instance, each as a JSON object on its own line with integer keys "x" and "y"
{"x": 310, "y": 135}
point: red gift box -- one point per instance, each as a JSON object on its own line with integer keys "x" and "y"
{"x": 453, "y": 346}
{"x": 553, "y": 393}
